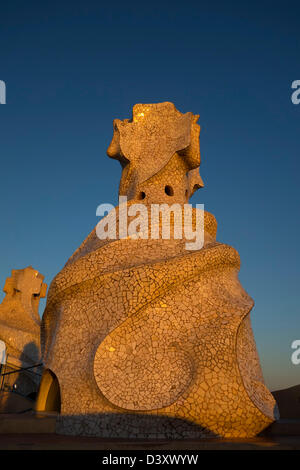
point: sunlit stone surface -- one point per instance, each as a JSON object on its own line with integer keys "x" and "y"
{"x": 20, "y": 326}
{"x": 145, "y": 338}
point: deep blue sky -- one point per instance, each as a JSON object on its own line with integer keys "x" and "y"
{"x": 72, "y": 67}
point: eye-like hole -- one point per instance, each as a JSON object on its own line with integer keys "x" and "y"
{"x": 142, "y": 195}
{"x": 169, "y": 190}
{"x": 186, "y": 194}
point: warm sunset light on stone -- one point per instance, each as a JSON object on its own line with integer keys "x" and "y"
{"x": 144, "y": 338}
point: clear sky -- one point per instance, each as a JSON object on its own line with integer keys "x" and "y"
{"x": 72, "y": 67}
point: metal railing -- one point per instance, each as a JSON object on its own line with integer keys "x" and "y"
{"x": 17, "y": 370}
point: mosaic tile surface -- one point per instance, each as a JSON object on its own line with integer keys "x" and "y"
{"x": 20, "y": 325}
{"x": 146, "y": 338}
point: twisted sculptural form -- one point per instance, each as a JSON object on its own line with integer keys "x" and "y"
{"x": 144, "y": 337}
{"x": 20, "y": 327}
